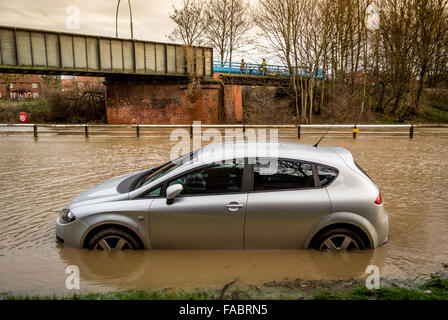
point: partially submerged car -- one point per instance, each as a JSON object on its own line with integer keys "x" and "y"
{"x": 304, "y": 197}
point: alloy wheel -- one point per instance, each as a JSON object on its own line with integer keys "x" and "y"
{"x": 112, "y": 243}
{"x": 339, "y": 242}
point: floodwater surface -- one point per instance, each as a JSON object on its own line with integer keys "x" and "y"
{"x": 39, "y": 177}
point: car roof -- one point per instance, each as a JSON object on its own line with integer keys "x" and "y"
{"x": 291, "y": 150}
{"x": 332, "y": 156}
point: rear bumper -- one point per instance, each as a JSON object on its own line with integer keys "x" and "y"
{"x": 71, "y": 233}
{"x": 380, "y": 220}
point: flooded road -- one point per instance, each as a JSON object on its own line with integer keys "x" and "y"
{"x": 38, "y": 177}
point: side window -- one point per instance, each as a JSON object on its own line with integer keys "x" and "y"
{"x": 285, "y": 174}
{"x": 222, "y": 177}
{"x": 326, "y": 174}
{"x": 153, "y": 193}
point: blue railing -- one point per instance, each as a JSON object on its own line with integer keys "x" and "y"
{"x": 249, "y": 68}
{"x": 256, "y": 69}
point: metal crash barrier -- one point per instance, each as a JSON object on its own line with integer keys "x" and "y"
{"x": 297, "y": 131}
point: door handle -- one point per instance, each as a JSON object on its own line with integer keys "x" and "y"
{"x": 234, "y": 206}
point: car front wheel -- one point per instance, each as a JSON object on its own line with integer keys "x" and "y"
{"x": 339, "y": 239}
{"x": 113, "y": 239}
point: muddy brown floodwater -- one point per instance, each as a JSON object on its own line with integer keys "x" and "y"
{"x": 38, "y": 177}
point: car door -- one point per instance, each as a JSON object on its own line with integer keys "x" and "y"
{"x": 208, "y": 213}
{"x": 283, "y": 205}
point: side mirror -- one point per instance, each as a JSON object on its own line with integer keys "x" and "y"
{"x": 172, "y": 192}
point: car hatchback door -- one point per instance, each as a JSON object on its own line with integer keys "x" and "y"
{"x": 208, "y": 213}
{"x": 283, "y": 205}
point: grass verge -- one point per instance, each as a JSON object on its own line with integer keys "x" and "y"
{"x": 434, "y": 288}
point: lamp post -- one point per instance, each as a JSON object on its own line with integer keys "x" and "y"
{"x": 130, "y": 15}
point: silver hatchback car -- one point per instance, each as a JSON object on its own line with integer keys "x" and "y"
{"x": 305, "y": 197}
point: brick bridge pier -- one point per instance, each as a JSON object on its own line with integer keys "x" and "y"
{"x": 168, "y": 100}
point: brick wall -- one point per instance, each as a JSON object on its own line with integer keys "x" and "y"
{"x": 163, "y": 103}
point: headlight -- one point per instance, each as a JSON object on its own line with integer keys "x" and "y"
{"x": 66, "y": 216}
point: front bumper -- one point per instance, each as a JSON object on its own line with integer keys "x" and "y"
{"x": 71, "y": 233}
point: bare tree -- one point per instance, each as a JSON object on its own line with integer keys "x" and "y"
{"x": 227, "y": 24}
{"x": 280, "y": 22}
{"x": 314, "y": 45}
{"x": 299, "y": 32}
{"x": 190, "y": 24}
{"x": 397, "y": 37}
{"x": 51, "y": 84}
{"x": 430, "y": 34}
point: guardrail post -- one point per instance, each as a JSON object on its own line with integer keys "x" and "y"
{"x": 354, "y": 132}
{"x": 35, "y": 130}
{"x": 411, "y": 132}
{"x": 191, "y": 131}
{"x": 86, "y": 130}
{"x": 138, "y": 131}
{"x": 298, "y": 131}
{"x": 244, "y": 130}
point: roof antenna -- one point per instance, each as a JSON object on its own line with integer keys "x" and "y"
{"x": 321, "y": 138}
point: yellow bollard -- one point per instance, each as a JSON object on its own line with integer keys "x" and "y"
{"x": 355, "y": 131}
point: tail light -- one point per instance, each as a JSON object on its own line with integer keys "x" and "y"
{"x": 379, "y": 199}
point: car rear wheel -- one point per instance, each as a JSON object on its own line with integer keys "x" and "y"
{"x": 113, "y": 239}
{"x": 339, "y": 239}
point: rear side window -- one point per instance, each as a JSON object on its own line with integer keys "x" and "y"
{"x": 326, "y": 175}
{"x": 278, "y": 174}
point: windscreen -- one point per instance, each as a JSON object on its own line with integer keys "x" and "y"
{"x": 170, "y": 166}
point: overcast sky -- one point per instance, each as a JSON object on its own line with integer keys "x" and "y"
{"x": 97, "y": 17}
{"x": 151, "y": 19}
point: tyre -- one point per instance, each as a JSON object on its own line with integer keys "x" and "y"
{"x": 113, "y": 239}
{"x": 338, "y": 239}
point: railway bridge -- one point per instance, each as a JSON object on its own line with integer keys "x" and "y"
{"x": 146, "y": 82}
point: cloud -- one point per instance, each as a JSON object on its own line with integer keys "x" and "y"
{"x": 150, "y": 17}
